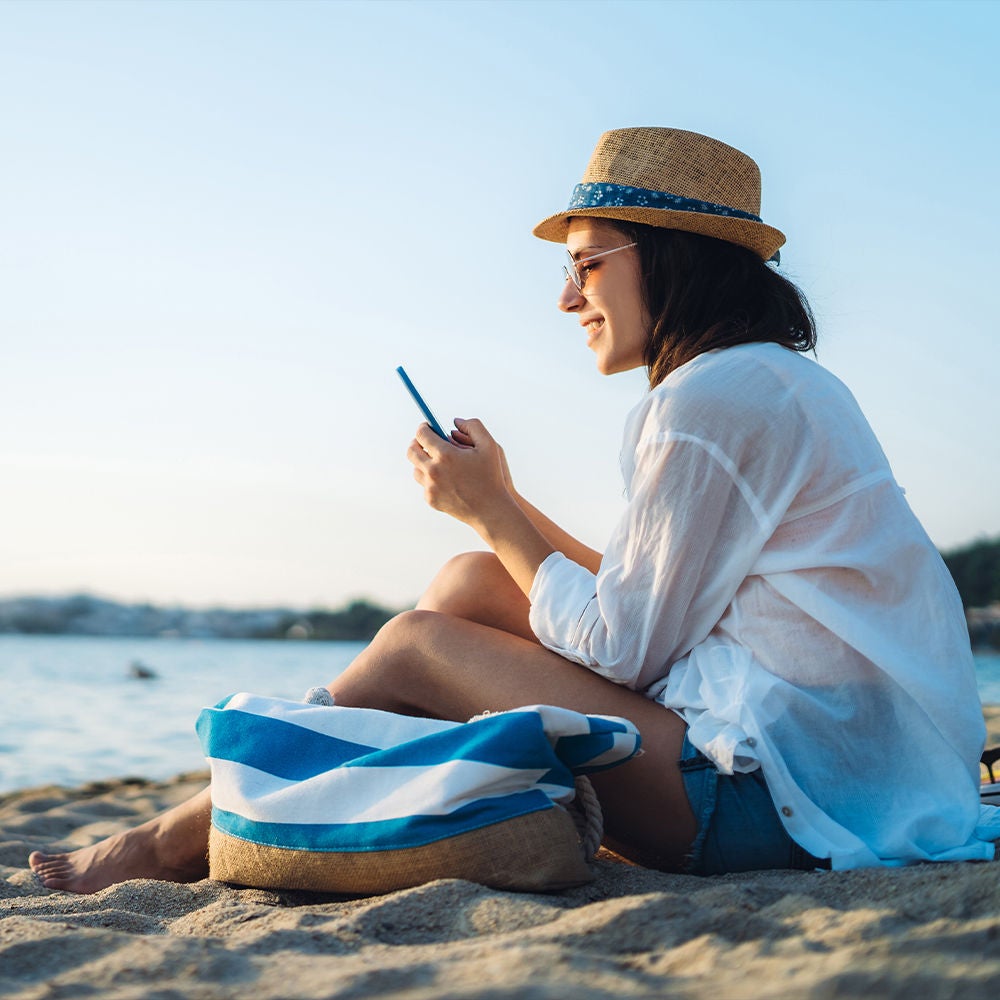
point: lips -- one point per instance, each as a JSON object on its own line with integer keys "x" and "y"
{"x": 593, "y": 328}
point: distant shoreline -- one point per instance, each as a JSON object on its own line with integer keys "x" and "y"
{"x": 85, "y": 615}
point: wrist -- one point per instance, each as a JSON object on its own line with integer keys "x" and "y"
{"x": 499, "y": 520}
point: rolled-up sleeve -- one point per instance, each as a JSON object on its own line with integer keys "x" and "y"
{"x": 690, "y": 533}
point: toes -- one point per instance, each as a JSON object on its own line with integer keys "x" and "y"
{"x": 49, "y": 865}
{"x": 53, "y": 869}
{"x": 55, "y": 881}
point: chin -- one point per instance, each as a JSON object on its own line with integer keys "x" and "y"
{"x": 611, "y": 367}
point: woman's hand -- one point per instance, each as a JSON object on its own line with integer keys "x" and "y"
{"x": 467, "y": 478}
{"x": 464, "y": 439}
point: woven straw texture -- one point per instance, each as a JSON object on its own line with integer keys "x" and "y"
{"x": 533, "y": 853}
{"x": 679, "y": 163}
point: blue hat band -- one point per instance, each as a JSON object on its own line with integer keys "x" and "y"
{"x": 599, "y": 195}
{"x": 622, "y": 196}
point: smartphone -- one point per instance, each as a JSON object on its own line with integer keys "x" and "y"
{"x": 419, "y": 400}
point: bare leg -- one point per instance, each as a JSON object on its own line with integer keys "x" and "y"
{"x": 432, "y": 664}
{"x": 173, "y": 846}
{"x": 469, "y": 648}
{"x": 476, "y": 587}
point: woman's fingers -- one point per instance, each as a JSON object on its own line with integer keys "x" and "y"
{"x": 474, "y": 430}
{"x": 430, "y": 441}
{"x": 416, "y": 453}
{"x": 429, "y": 455}
{"x": 463, "y": 476}
{"x": 475, "y": 434}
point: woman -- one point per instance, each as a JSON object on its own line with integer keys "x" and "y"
{"x": 768, "y": 611}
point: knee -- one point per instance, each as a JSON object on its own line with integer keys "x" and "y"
{"x": 463, "y": 583}
{"x": 403, "y": 631}
{"x": 391, "y": 663}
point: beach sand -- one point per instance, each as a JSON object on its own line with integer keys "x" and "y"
{"x": 925, "y": 931}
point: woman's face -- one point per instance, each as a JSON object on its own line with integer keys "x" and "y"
{"x": 610, "y": 307}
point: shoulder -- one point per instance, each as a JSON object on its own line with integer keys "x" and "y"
{"x": 735, "y": 374}
{"x": 741, "y": 389}
{"x": 756, "y": 403}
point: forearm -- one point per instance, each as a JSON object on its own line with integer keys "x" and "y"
{"x": 468, "y": 479}
{"x": 517, "y": 542}
{"x": 561, "y": 540}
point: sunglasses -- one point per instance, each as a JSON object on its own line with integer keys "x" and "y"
{"x": 572, "y": 269}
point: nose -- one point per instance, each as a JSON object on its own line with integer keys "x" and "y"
{"x": 570, "y": 299}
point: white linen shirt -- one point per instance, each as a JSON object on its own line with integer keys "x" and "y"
{"x": 770, "y": 584}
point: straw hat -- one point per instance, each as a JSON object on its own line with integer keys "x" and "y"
{"x": 674, "y": 179}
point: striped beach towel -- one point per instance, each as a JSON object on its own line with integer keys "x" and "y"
{"x": 362, "y": 801}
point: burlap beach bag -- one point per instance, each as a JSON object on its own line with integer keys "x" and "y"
{"x": 358, "y": 801}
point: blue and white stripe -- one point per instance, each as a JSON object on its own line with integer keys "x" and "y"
{"x": 318, "y": 778}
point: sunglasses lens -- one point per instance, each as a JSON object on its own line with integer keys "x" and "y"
{"x": 571, "y": 271}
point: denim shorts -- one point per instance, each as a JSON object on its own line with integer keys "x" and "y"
{"x": 739, "y": 829}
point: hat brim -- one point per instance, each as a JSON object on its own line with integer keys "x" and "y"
{"x": 762, "y": 239}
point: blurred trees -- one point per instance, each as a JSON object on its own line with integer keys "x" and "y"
{"x": 358, "y": 621}
{"x": 976, "y": 571}
{"x": 82, "y": 614}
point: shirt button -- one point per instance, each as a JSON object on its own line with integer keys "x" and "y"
{"x": 751, "y": 742}
{"x": 786, "y": 810}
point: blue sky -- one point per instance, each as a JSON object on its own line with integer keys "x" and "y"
{"x": 222, "y": 226}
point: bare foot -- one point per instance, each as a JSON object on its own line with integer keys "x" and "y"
{"x": 117, "y": 859}
{"x": 171, "y": 848}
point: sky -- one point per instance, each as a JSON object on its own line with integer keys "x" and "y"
{"x": 223, "y": 225}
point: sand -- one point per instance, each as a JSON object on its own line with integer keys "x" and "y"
{"x": 925, "y": 931}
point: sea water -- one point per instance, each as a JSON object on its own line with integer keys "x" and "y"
{"x": 71, "y": 710}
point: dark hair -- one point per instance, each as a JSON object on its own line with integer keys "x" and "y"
{"x": 703, "y": 293}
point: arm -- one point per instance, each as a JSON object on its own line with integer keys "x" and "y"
{"x": 684, "y": 545}
{"x": 468, "y": 480}
{"x": 560, "y": 539}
